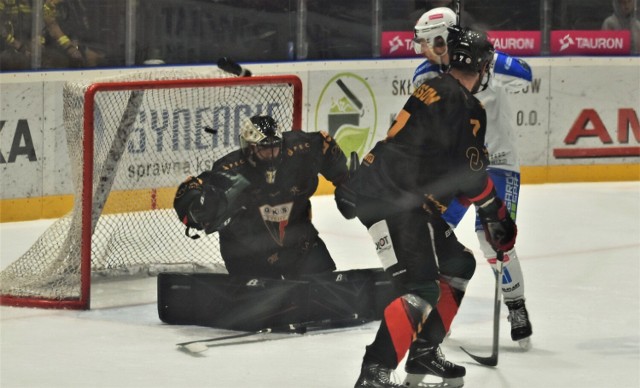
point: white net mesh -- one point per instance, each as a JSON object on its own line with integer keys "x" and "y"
{"x": 148, "y": 137}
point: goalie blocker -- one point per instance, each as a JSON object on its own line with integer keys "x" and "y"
{"x": 235, "y": 303}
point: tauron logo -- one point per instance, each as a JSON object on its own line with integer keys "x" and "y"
{"x": 565, "y": 42}
{"x": 395, "y": 44}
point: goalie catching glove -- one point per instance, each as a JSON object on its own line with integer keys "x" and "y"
{"x": 207, "y": 202}
{"x": 499, "y": 229}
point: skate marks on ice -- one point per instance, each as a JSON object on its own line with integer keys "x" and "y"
{"x": 628, "y": 346}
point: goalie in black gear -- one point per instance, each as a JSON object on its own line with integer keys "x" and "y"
{"x": 257, "y": 199}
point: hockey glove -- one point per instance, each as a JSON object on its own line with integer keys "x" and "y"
{"x": 499, "y": 229}
{"x": 188, "y": 192}
{"x": 218, "y": 202}
{"x": 203, "y": 205}
{"x": 346, "y": 201}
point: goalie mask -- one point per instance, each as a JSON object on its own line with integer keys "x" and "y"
{"x": 431, "y": 32}
{"x": 261, "y": 142}
{"x": 472, "y": 52}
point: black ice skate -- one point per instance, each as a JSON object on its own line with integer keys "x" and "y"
{"x": 375, "y": 376}
{"x": 426, "y": 360}
{"x": 520, "y": 325}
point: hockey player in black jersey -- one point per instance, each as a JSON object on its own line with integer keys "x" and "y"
{"x": 433, "y": 152}
{"x": 257, "y": 199}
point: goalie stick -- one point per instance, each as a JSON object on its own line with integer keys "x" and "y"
{"x": 201, "y": 345}
{"x": 232, "y": 67}
{"x": 492, "y": 360}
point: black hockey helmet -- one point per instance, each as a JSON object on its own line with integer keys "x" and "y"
{"x": 469, "y": 50}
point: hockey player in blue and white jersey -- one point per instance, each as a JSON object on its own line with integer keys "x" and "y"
{"x": 508, "y": 74}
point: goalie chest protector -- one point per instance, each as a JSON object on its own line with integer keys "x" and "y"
{"x": 235, "y": 303}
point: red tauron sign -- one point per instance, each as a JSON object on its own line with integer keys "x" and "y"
{"x": 399, "y": 44}
{"x": 516, "y": 43}
{"x": 570, "y": 42}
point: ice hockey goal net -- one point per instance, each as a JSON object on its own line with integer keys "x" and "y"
{"x": 131, "y": 141}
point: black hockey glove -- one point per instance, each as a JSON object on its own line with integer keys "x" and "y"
{"x": 195, "y": 204}
{"x": 499, "y": 229}
{"x": 345, "y": 195}
{"x": 346, "y": 201}
{"x": 218, "y": 200}
{"x": 208, "y": 205}
{"x": 188, "y": 192}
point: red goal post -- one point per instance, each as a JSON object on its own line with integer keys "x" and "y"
{"x": 131, "y": 141}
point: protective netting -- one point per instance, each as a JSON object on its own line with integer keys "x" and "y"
{"x": 149, "y": 135}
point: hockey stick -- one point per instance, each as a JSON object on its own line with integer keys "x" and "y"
{"x": 201, "y": 345}
{"x": 458, "y": 10}
{"x": 198, "y": 346}
{"x": 353, "y": 162}
{"x": 230, "y": 66}
{"x": 492, "y": 360}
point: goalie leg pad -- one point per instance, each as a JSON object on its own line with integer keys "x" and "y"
{"x": 246, "y": 303}
{"x": 222, "y": 301}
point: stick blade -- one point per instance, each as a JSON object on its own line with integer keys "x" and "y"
{"x": 486, "y": 361}
{"x": 197, "y": 347}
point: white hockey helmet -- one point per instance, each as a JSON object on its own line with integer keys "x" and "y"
{"x": 261, "y": 141}
{"x": 260, "y": 135}
{"x": 431, "y": 25}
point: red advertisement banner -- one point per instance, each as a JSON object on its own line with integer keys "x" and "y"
{"x": 399, "y": 44}
{"x": 596, "y": 42}
{"x": 517, "y": 43}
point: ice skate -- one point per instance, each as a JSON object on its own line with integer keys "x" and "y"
{"x": 425, "y": 360}
{"x": 375, "y": 376}
{"x": 521, "y": 329}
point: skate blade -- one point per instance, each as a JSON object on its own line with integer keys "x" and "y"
{"x": 525, "y": 343}
{"x": 417, "y": 381}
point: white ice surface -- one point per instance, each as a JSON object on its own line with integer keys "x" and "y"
{"x": 579, "y": 245}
